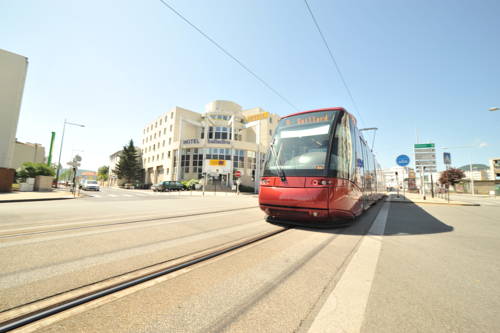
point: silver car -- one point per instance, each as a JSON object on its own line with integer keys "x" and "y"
{"x": 90, "y": 185}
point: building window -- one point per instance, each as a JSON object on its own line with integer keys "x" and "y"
{"x": 164, "y": 131}
{"x": 168, "y": 154}
{"x": 165, "y": 118}
{"x": 160, "y": 122}
{"x": 270, "y": 132}
{"x": 185, "y": 161}
{"x": 219, "y": 132}
{"x": 168, "y": 171}
{"x": 172, "y": 115}
{"x": 238, "y": 159}
{"x": 170, "y": 128}
{"x": 163, "y": 143}
{"x": 170, "y": 141}
{"x": 270, "y": 120}
{"x": 162, "y": 156}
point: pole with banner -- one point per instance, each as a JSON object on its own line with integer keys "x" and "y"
{"x": 52, "y": 137}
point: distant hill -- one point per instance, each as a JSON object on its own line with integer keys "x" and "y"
{"x": 475, "y": 167}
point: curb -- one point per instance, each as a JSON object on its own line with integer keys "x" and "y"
{"x": 35, "y": 199}
{"x": 434, "y": 203}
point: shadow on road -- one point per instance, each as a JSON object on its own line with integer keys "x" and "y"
{"x": 402, "y": 219}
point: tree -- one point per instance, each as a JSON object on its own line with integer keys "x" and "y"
{"x": 31, "y": 170}
{"x": 128, "y": 167}
{"x": 102, "y": 173}
{"x": 451, "y": 176}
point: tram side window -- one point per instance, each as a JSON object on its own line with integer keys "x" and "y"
{"x": 341, "y": 161}
{"x": 356, "y": 148}
{"x": 366, "y": 167}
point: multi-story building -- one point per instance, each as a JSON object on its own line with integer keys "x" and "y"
{"x": 114, "y": 158}
{"x": 495, "y": 168}
{"x": 27, "y": 152}
{"x": 183, "y": 144}
{"x": 405, "y": 177}
{"x": 477, "y": 174}
{"x": 13, "y": 69}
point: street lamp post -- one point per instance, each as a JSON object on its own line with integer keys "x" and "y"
{"x": 60, "y": 149}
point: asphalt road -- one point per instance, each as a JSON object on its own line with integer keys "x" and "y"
{"x": 400, "y": 267}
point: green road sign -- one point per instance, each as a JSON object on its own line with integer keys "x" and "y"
{"x": 424, "y": 145}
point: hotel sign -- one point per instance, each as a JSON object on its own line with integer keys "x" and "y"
{"x": 190, "y": 142}
{"x": 258, "y": 116}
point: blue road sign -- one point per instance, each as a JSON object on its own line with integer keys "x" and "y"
{"x": 403, "y": 160}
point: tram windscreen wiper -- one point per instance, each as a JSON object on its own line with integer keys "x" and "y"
{"x": 281, "y": 173}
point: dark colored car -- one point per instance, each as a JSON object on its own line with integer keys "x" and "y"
{"x": 169, "y": 186}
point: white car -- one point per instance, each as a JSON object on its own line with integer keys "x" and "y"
{"x": 90, "y": 185}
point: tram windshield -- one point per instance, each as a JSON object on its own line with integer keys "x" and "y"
{"x": 300, "y": 145}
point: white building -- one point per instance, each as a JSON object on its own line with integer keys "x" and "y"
{"x": 182, "y": 144}
{"x": 395, "y": 181}
{"x": 27, "y": 152}
{"x": 13, "y": 69}
{"x": 113, "y": 162}
{"x": 477, "y": 174}
{"x": 495, "y": 168}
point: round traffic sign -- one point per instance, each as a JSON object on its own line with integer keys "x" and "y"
{"x": 403, "y": 160}
{"x": 237, "y": 173}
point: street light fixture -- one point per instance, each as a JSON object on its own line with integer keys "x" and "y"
{"x": 60, "y": 149}
{"x": 494, "y": 109}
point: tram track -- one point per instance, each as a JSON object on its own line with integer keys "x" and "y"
{"x": 41, "y": 309}
{"x": 40, "y": 229}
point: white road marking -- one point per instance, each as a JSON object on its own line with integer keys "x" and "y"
{"x": 344, "y": 309}
{"x": 113, "y": 195}
{"x": 127, "y": 195}
{"x": 96, "y": 196}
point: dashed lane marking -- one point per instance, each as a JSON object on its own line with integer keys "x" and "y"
{"x": 345, "y": 307}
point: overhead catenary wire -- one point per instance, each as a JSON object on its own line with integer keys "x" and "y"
{"x": 261, "y": 80}
{"x": 334, "y": 61}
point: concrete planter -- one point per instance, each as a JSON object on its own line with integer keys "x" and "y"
{"x": 43, "y": 183}
{"x": 27, "y": 186}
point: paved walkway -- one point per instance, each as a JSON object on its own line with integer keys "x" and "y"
{"x": 34, "y": 196}
{"x": 417, "y": 198}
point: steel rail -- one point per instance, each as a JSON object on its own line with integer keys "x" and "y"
{"x": 77, "y": 301}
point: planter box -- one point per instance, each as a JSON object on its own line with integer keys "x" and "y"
{"x": 43, "y": 183}
{"x": 25, "y": 187}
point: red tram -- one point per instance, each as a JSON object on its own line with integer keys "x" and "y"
{"x": 319, "y": 169}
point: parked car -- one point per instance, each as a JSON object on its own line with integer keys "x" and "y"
{"x": 156, "y": 187}
{"x": 90, "y": 185}
{"x": 167, "y": 186}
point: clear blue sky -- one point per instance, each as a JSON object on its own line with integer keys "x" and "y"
{"x": 116, "y": 65}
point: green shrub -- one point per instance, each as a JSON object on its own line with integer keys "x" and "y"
{"x": 189, "y": 183}
{"x": 31, "y": 170}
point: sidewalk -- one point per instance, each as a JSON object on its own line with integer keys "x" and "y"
{"x": 35, "y": 196}
{"x": 417, "y": 199}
